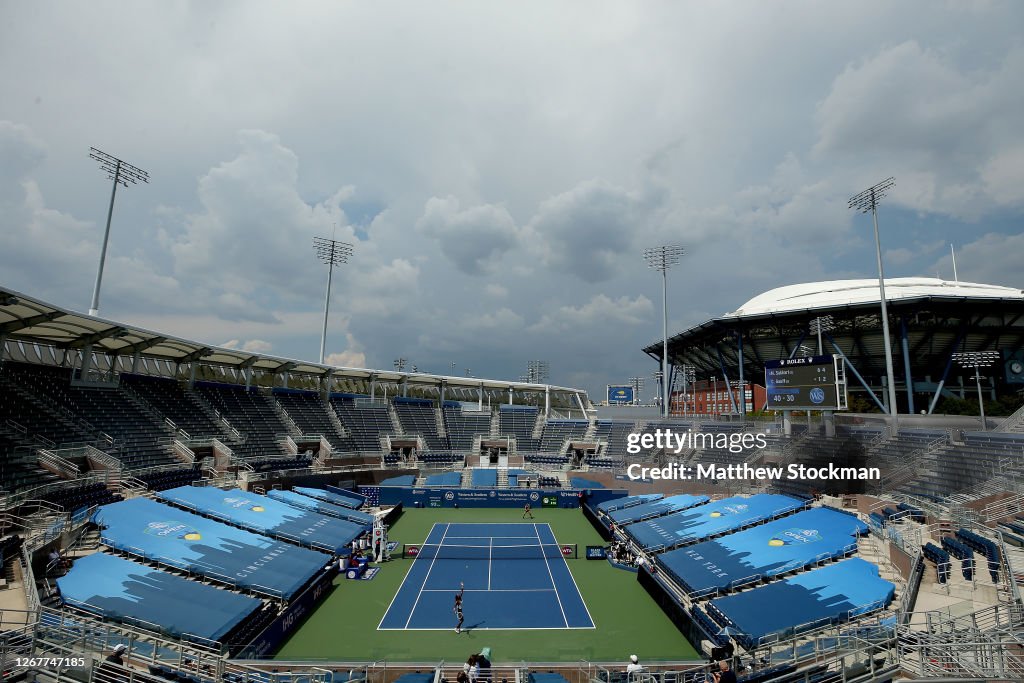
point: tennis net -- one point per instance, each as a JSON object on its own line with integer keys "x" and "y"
{"x": 448, "y": 551}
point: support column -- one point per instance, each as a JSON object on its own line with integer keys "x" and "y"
{"x": 906, "y": 365}
{"x": 284, "y": 377}
{"x": 405, "y": 386}
{"x": 849, "y": 366}
{"x": 547, "y": 402}
{"x": 248, "y": 377}
{"x": 86, "y": 362}
{"x": 192, "y": 375}
{"x": 440, "y": 393}
{"x": 743, "y": 384}
{"x": 787, "y": 422}
{"x": 829, "y": 418}
{"x": 510, "y": 395}
{"x": 135, "y": 362}
{"x": 3, "y": 346}
{"x": 373, "y": 387}
{"x": 480, "y": 397}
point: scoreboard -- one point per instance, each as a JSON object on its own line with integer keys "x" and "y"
{"x": 622, "y": 394}
{"x": 811, "y": 383}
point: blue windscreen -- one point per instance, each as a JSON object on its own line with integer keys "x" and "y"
{"x": 297, "y": 500}
{"x": 656, "y": 508}
{"x": 452, "y": 480}
{"x": 712, "y": 519}
{"x": 628, "y": 501}
{"x": 123, "y": 590}
{"x": 333, "y": 497}
{"x": 774, "y": 548}
{"x": 206, "y": 547}
{"x": 267, "y": 516}
{"x": 486, "y": 478}
{"x": 834, "y": 593}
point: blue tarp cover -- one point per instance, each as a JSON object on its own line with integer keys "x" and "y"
{"x": 712, "y": 519}
{"x": 657, "y": 508}
{"x": 763, "y": 551}
{"x": 297, "y": 500}
{"x": 207, "y": 547}
{"x": 266, "y": 516}
{"x": 349, "y": 501}
{"x": 620, "y": 503}
{"x": 832, "y": 593}
{"x": 123, "y": 590}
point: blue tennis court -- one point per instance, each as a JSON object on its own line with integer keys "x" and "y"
{"x": 515, "y": 577}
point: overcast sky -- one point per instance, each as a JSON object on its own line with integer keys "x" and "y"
{"x": 499, "y": 167}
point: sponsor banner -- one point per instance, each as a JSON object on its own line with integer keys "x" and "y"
{"x": 478, "y": 498}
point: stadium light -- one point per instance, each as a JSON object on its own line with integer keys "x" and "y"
{"x": 638, "y": 385}
{"x": 537, "y": 371}
{"x": 661, "y": 259}
{"x": 122, "y": 173}
{"x": 823, "y": 323}
{"x": 333, "y": 253}
{"x": 977, "y": 360}
{"x": 864, "y": 202}
{"x": 399, "y": 364}
{"x": 657, "y": 376}
{"x": 689, "y": 378}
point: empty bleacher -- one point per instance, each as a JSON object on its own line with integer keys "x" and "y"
{"x": 250, "y": 412}
{"x": 417, "y": 417}
{"x": 365, "y": 421}
{"x": 309, "y": 412}
{"x": 557, "y": 432}
{"x": 463, "y": 427}
{"x": 173, "y": 401}
{"x": 615, "y": 435}
{"x": 518, "y": 422}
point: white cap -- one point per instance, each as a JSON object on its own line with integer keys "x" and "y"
{"x": 120, "y": 647}
{"x": 633, "y": 659}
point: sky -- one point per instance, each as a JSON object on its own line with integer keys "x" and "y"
{"x": 499, "y": 167}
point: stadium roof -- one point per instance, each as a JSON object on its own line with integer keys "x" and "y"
{"x": 815, "y": 295}
{"x": 34, "y": 322}
{"x": 929, "y": 320}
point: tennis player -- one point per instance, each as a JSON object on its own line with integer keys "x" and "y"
{"x": 458, "y": 597}
{"x": 458, "y": 615}
{"x": 527, "y": 512}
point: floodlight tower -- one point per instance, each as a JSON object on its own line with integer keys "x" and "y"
{"x": 657, "y": 377}
{"x": 122, "y": 173}
{"x": 977, "y": 360}
{"x": 662, "y": 258}
{"x": 537, "y": 371}
{"x": 689, "y": 379}
{"x": 333, "y": 253}
{"x": 399, "y": 364}
{"x": 638, "y": 385}
{"x": 864, "y": 202}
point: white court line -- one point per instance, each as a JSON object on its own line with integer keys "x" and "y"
{"x": 489, "y": 590}
{"x": 424, "y": 584}
{"x": 490, "y": 554}
{"x": 552, "y": 577}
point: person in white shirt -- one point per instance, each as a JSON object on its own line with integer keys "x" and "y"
{"x": 634, "y": 665}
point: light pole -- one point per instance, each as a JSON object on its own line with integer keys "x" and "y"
{"x": 122, "y": 173}
{"x": 864, "y": 202}
{"x": 399, "y": 364}
{"x": 823, "y": 323}
{"x": 656, "y": 376}
{"x": 333, "y": 253}
{"x": 638, "y": 385}
{"x": 977, "y": 360}
{"x": 537, "y": 371}
{"x": 689, "y": 379}
{"x": 662, "y": 258}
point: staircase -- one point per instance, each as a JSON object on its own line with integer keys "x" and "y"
{"x": 439, "y": 421}
{"x": 503, "y": 478}
{"x": 591, "y": 431}
{"x": 336, "y": 421}
{"x": 1014, "y": 423}
{"x": 538, "y": 426}
{"x": 286, "y": 419}
{"x": 230, "y": 434}
{"x": 496, "y": 423}
{"x": 142, "y": 404}
{"x": 396, "y": 424}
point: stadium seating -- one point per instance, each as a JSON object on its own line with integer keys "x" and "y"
{"x": 557, "y": 432}
{"x": 366, "y": 421}
{"x": 518, "y": 422}
{"x": 615, "y": 435}
{"x": 301, "y": 502}
{"x": 169, "y": 478}
{"x": 417, "y": 417}
{"x": 309, "y": 412}
{"x": 252, "y": 413}
{"x": 462, "y": 427}
{"x": 656, "y": 508}
{"x": 170, "y": 399}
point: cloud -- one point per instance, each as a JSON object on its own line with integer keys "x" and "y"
{"x": 993, "y": 258}
{"x": 351, "y": 357}
{"x": 600, "y": 312}
{"x": 473, "y": 239}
